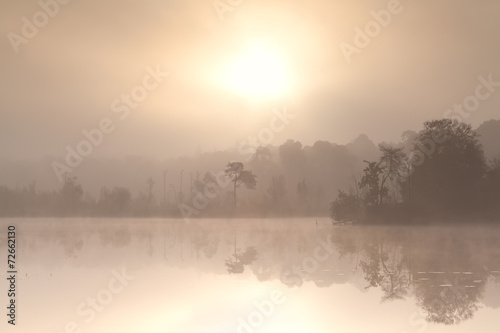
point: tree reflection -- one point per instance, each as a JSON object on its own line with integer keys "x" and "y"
{"x": 237, "y": 262}
{"x": 445, "y": 271}
{"x": 206, "y": 241}
{"x": 386, "y": 270}
{"x": 447, "y": 303}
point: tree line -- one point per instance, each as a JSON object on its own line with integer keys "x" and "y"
{"x": 439, "y": 173}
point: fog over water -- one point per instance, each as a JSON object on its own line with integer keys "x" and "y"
{"x": 205, "y": 275}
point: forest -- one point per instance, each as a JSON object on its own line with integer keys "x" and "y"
{"x": 445, "y": 171}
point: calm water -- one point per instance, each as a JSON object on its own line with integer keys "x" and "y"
{"x": 293, "y": 276}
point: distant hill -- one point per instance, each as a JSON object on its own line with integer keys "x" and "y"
{"x": 489, "y": 132}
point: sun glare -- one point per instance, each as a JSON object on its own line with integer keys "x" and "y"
{"x": 259, "y": 72}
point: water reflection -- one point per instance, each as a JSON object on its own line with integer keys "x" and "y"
{"x": 449, "y": 273}
{"x": 237, "y": 262}
{"x": 445, "y": 269}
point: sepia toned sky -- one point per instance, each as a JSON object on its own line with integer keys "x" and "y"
{"x": 228, "y": 71}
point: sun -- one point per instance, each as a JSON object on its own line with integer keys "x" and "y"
{"x": 259, "y": 71}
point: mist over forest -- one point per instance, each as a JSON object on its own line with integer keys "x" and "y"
{"x": 291, "y": 179}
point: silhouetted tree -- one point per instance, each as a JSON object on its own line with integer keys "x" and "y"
{"x": 262, "y": 154}
{"x": 115, "y": 202}
{"x": 393, "y": 164}
{"x": 453, "y": 164}
{"x": 371, "y": 182}
{"x": 71, "y": 195}
{"x": 303, "y": 196}
{"x": 291, "y": 153}
{"x": 238, "y": 175}
{"x": 164, "y": 172}
{"x": 489, "y": 190}
{"x": 489, "y": 136}
{"x": 345, "y": 208}
{"x": 150, "y": 184}
{"x": 277, "y": 189}
{"x": 302, "y": 191}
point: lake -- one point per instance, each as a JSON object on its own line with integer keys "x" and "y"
{"x": 250, "y": 275}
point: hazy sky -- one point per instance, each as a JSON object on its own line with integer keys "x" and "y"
{"x": 227, "y": 75}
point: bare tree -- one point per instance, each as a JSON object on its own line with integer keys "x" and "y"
{"x": 165, "y": 187}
